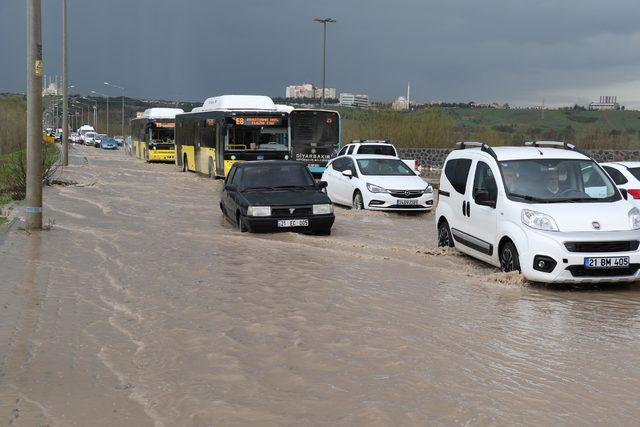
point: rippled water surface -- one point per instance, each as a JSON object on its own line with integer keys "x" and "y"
{"x": 142, "y": 306}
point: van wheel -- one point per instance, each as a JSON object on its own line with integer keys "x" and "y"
{"x": 358, "y": 204}
{"x": 445, "y": 239}
{"x": 211, "y": 173}
{"x": 509, "y": 258}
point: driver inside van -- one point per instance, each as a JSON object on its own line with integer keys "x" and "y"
{"x": 552, "y": 181}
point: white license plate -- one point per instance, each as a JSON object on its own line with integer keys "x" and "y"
{"x": 404, "y": 202}
{"x": 607, "y": 262}
{"x": 282, "y": 223}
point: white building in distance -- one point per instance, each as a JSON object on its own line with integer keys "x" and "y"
{"x": 400, "y": 104}
{"x": 605, "y": 103}
{"x": 351, "y": 100}
{"x": 329, "y": 93}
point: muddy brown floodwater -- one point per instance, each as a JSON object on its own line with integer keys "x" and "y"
{"x": 141, "y": 306}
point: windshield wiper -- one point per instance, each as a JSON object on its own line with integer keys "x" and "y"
{"x": 295, "y": 187}
{"x": 258, "y": 188}
{"x": 529, "y": 198}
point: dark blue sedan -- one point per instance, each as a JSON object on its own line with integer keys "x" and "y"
{"x": 107, "y": 143}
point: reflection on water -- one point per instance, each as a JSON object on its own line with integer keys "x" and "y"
{"x": 149, "y": 304}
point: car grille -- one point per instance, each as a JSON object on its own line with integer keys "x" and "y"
{"x": 581, "y": 271}
{"x": 617, "y": 246}
{"x": 406, "y": 194}
{"x": 298, "y": 211}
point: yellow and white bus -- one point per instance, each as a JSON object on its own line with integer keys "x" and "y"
{"x": 228, "y": 129}
{"x": 153, "y": 135}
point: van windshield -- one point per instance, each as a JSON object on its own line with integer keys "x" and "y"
{"x": 557, "y": 181}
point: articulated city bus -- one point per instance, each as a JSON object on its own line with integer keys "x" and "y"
{"x": 152, "y": 134}
{"x": 315, "y": 136}
{"x": 231, "y": 128}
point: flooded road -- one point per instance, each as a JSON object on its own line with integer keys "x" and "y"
{"x": 141, "y": 306}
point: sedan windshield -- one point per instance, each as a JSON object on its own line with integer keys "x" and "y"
{"x": 384, "y": 167}
{"x": 557, "y": 181}
{"x": 280, "y": 176}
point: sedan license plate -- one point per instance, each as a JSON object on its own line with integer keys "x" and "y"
{"x": 406, "y": 202}
{"x": 607, "y": 262}
{"x": 282, "y": 223}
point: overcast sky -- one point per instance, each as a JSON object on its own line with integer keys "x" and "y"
{"x": 513, "y": 51}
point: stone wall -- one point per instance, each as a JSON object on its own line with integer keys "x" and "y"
{"x": 435, "y": 157}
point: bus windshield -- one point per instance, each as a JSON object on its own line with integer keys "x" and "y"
{"x": 257, "y": 138}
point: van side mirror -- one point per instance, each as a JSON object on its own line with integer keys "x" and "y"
{"x": 625, "y": 194}
{"x": 231, "y": 187}
{"x": 347, "y": 173}
{"x": 322, "y": 184}
{"x": 483, "y": 198}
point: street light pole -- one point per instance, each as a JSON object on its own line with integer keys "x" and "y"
{"x": 33, "y": 208}
{"x": 65, "y": 89}
{"x": 122, "y": 89}
{"x": 107, "y": 96}
{"x": 324, "y": 22}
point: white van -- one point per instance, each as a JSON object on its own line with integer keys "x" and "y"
{"x": 545, "y": 209}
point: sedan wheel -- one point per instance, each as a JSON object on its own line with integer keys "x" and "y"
{"x": 358, "y": 204}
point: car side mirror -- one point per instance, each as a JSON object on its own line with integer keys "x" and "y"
{"x": 483, "y": 198}
{"x": 231, "y": 187}
{"x": 625, "y": 194}
{"x": 322, "y": 184}
{"x": 347, "y": 173}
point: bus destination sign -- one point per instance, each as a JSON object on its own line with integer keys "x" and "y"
{"x": 259, "y": 121}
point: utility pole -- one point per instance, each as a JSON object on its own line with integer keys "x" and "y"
{"x": 33, "y": 209}
{"x": 65, "y": 89}
{"x": 324, "y": 22}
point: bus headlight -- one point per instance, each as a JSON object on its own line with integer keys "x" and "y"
{"x": 233, "y": 157}
{"x": 259, "y": 211}
{"x": 322, "y": 209}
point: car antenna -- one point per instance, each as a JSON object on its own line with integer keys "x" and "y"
{"x": 535, "y": 145}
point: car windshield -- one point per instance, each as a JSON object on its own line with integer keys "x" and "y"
{"x": 557, "y": 181}
{"x": 381, "y": 149}
{"x": 384, "y": 167}
{"x": 276, "y": 176}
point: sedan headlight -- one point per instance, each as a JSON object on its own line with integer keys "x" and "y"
{"x": 259, "y": 211}
{"x": 428, "y": 190}
{"x": 376, "y": 188}
{"x": 322, "y": 209}
{"x": 538, "y": 220}
{"x": 634, "y": 218}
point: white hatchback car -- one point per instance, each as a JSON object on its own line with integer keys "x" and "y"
{"x": 626, "y": 175}
{"x": 545, "y": 209}
{"x": 376, "y": 182}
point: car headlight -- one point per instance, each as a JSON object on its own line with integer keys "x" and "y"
{"x": 376, "y": 188}
{"x": 322, "y": 209}
{"x": 538, "y": 220}
{"x": 634, "y": 218}
{"x": 259, "y": 211}
{"x": 428, "y": 190}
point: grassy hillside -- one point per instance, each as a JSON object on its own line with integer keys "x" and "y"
{"x": 441, "y": 127}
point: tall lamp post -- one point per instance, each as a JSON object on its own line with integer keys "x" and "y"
{"x": 65, "y": 89}
{"x": 122, "y": 89}
{"x": 107, "y": 96}
{"x": 324, "y": 22}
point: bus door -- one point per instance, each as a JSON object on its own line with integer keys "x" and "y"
{"x": 314, "y": 136}
{"x": 221, "y": 140}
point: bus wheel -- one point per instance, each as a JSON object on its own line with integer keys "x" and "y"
{"x": 212, "y": 174}
{"x": 184, "y": 164}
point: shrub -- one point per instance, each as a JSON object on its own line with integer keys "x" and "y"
{"x": 13, "y": 170}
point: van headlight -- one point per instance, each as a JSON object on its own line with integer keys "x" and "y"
{"x": 634, "y": 218}
{"x": 538, "y": 220}
{"x": 376, "y": 188}
{"x": 322, "y": 209}
{"x": 259, "y": 211}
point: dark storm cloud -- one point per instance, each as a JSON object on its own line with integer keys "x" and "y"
{"x": 507, "y": 50}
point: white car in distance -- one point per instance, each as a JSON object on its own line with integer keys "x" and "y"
{"x": 89, "y": 138}
{"x": 626, "y": 175}
{"x": 376, "y": 182}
